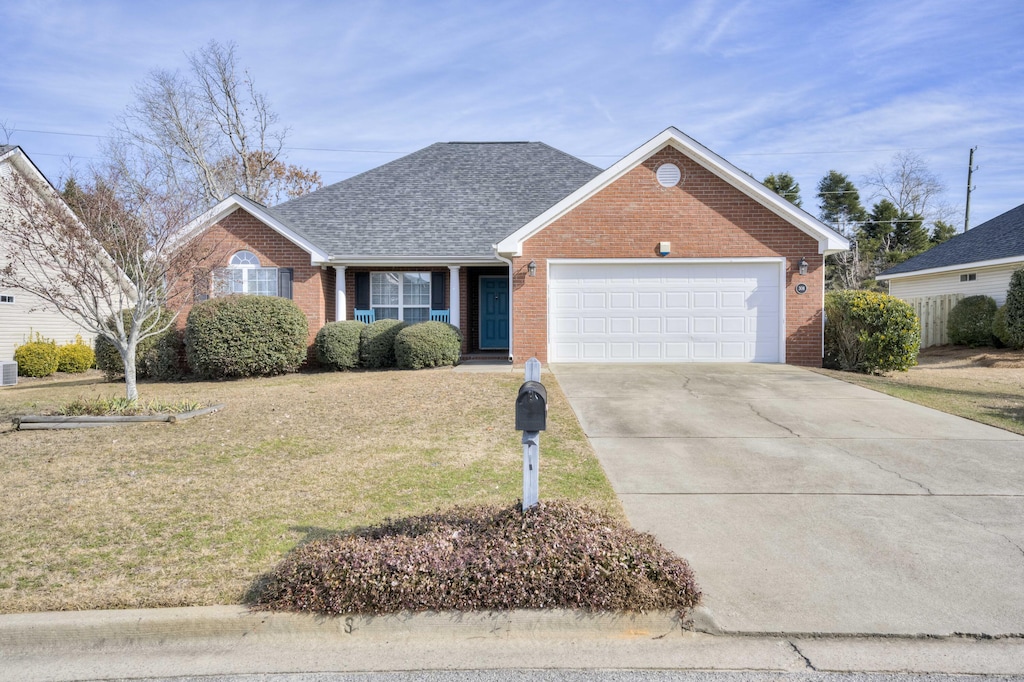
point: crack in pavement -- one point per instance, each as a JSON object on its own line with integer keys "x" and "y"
{"x": 772, "y": 421}
{"x": 799, "y": 653}
{"x": 867, "y": 459}
{"x": 987, "y": 530}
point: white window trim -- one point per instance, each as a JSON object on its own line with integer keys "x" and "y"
{"x": 7, "y": 299}
{"x": 401, "y": 305}
{"x": 225, "y": 287}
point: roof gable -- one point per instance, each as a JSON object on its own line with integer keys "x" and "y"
{"x": 234, "y": 202}
{"x": 449, "y": 200}
{"x": 998, "y": 239}
{"x": 829, "y": 241}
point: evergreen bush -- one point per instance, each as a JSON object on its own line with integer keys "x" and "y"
{"x": 970, "y": 321}
{"x": 999, "y": 328}
{"x": 244, "y": 336}
{"x": 37, "y": 358}
{"x": 870, "y": 332}
{"x": 337, "y": 345}
{"x": 75, "y": 358}
{"x": 427, "y": 344}
{"x": 1015, "y": 310}
{"x": 377, "y": 343}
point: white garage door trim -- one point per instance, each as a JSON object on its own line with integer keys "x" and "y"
{"x": 554, "y": 263}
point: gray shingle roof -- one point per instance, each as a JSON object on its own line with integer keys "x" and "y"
{"x": 4, "y": 148}
{"x": 450, "y": 199}
{"x": 1000, "y": 237}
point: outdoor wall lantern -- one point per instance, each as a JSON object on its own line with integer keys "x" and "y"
{"x": 531, "y": 269}
{"x": 802, "y": 265}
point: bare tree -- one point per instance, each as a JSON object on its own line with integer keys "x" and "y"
{"x": 907, "y": 182}
{"x": 112, "y": 253}
{"x": 209, "y": 133}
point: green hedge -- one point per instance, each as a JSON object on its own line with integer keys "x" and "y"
{"x": 244, "y": 336}
{"x": 999, "y": 328}
{"x": 1015, "y": 310}
{"x": 75, "y": 358}
{"x": 337, "y": 345}
{"x": 37, "y": 358}
{"x": 970, "y": 321}
{"x": 428, "y": 344}
{"x": 377, "y": 343}
{"x": 156, "y": 357}
{"x": 866, "y": 331}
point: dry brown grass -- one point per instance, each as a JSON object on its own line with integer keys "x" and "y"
{"x": 983, "y": 384}
{"x": 189, "y": 514}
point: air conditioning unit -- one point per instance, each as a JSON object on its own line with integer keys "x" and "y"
{"x": 8, "y": 373}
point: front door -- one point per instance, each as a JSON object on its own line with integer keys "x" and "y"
{"x": 493, "y": 312}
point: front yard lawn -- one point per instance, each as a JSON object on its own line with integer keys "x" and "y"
{"x": 190, "y": 514}
{"x": 982, "y": 384}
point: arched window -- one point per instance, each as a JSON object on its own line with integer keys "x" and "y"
{"x": 244, "y": 275}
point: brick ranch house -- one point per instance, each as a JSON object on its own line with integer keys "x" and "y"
{"x": 672, "y": 254}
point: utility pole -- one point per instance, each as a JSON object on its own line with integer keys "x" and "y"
{"x": 970, "y": 171}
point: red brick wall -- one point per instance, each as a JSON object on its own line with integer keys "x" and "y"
{"x": 312, "y": 287}
{"x": 702, "y": 216}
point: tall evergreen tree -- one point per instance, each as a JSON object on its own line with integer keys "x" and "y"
{"x": 840, "y": 207}
{"x": 942, "y": 232}
{"x": 785, "y": 186}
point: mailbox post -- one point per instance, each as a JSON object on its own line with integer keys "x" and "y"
{"x": 531, "y": 419}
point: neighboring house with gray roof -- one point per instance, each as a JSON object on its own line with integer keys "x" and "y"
{"x": 670, "y": 254}
{"x": 977, "y": 262}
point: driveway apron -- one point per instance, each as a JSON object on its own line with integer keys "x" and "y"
{"x": 809, "y": 505}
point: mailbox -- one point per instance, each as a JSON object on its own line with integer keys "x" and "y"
{"x": 532, "y": 407}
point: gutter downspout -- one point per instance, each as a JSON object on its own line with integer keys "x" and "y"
{"x": 511, "y": 308}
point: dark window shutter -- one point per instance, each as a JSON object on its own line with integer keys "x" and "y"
{"x": 362, "y": 290}
{"x": 201, "y": 286}
{"x": 437, "y": 290}
{"x": 284, "y": 282}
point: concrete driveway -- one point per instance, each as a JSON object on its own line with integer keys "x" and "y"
{"x": 809, "y": 505}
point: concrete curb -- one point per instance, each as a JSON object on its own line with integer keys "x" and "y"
{"x": 137, "y": 626}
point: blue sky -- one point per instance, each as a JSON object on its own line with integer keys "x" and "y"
{"x": 802, "y": 87}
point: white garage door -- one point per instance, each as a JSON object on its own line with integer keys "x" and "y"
{"x": 664, "y": 312}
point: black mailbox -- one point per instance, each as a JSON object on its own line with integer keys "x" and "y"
{"x": 532, "y": 407}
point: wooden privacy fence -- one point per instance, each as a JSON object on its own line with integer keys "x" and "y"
{"x": 933, "y": 312}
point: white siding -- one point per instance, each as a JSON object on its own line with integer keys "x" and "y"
{"x": 27, "y": 315}
{"x": 18, "y": 321}
{"x": 991, "y": 281}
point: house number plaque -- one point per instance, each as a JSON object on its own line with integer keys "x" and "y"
{"x": 801, "y": 288}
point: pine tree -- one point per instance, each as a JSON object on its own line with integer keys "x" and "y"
{"x": 785, "y": 186}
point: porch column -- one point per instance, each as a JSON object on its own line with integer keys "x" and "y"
{"x": 453, "y": 295}
{"x": 340, "y": 303}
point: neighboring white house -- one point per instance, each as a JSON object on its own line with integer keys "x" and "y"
{"x": 977, "y": 262}
{"x": 21, "y": 313}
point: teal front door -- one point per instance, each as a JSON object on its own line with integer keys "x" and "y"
{"x": 493, "y": 312}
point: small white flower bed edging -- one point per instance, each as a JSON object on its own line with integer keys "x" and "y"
{"x": 40, "y": 422}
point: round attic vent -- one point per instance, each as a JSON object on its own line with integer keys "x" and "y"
{"x": 668, "y": 175}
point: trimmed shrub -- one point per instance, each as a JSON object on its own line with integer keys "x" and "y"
{"x": 970, "y": 321}
{"x": 146, "y": 352}
{"x": 870, "y": 332}
{"x": 245, "y": 336}
{"x": 162, "y": 360}
{"x": 75, "y": 358}
{"x": 1015, "y": 310}
{"x": 999, "y": 328}
{"x": 337, "y": 345}
{"x": 37, "y": 358}
{"x": 377, "y": 343}
{"x": 427, "y": 344}
{"x": 555, "y": 555}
